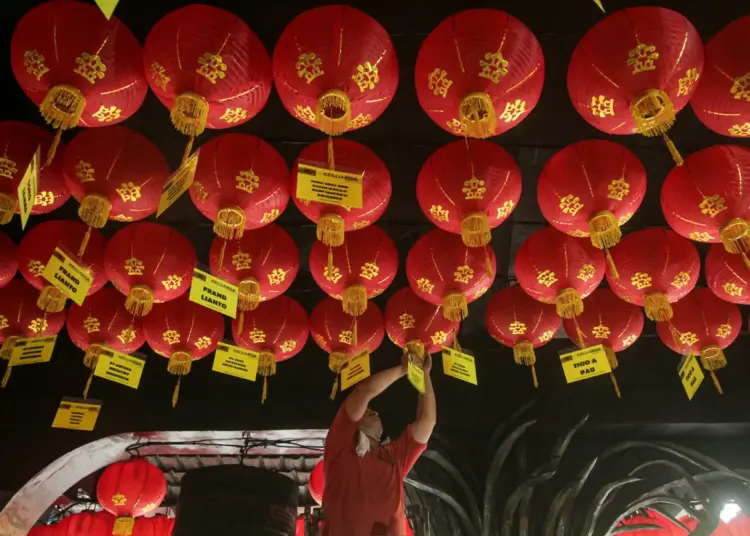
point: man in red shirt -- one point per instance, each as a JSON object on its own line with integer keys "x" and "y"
{"x": 364, "y": 479}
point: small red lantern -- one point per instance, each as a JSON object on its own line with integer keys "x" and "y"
{"x": 183, "y": 332}
{"x": 128, "y": 490}
{"x": 102, "y": 321}
{"x": 722, "y": 100}
{"x": 335, "y": 68}
{"x": 241, "y": 183}
{"x": 317, "y": 482}
{"x": 219, "y": 77}
{"x": 153, "y": 526}
{"x": 705, "y": 326}
{"x": 654, "y": 281}
{"x": 149, "y": 263}
{"x": 556, "y": 268}
{"x": 37, "y": 247}
{"x": 333, "y": 330}
{"x": 726, "y": 275}
{"x": 277, "y": 329}
{"x": 85, "y": 524}
{"x": 77, "y": 66}
{"x": 8, "y": 260}
{"x": 520, "y": 322}
{"x": 263, "y": 264}
{"x": 444, "y": 271}
{"x": 634, "y": 70}
{"x": 333, "y": 220}
{"x": 479, "y": 73}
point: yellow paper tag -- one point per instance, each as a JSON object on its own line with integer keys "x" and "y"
{"x": 355, "y": 370}
{"x": 107, "y": 7}
{"x": 584, "y": 364}
{"x": 77, "y": 414}
{"x": 214, "y": 293}
{"x": 27, "y": 188}
{"x": 65, "y": 274}
{"x": 459, "y": 365}
{"x": 691, "y": 374}
{"x": 416, "y": 376}
{"x": 120, "y": 368}
{"x": 178, "y": 183}
{"x": 329, "y": 186}
{"x": 32, "y": 351}
{"x": 235, "y": 361}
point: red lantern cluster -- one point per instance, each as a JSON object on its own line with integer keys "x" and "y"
{"x": 153, "y": 526}
{"x": 726, "y": 275}
{"x": 83, "y": 524}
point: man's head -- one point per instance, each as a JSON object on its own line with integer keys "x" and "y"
{"x": 371, "y": 424}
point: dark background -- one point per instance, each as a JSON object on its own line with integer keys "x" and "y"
{"x": 403, "y": 137}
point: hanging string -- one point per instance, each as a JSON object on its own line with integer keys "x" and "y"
{"x": 335, "y": 388}
{"x": 614, "y": 384}
{"x": 456, "y": 328}
{"x": 188, "y": 149}
{"x": 331, "y": 158}
{"x": 533, "y": 376}
{"x": 265, "y": 390}
{"x": 488, "y": 263}
{"x": 88, "y": 384}
{"x": 84, "y": 242}
{"x": 176, "y": 393}
{"x": 6, "y": 377}
{"x": 355, "y": 337}
{"x": 221, "y": 254}
{"x": 330, "y": 261}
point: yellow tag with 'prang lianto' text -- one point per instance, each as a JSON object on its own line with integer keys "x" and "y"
{"x": 235, "y": 361}
{"x": 32, "y": 351}
{"x": 178, "y": 183}
{"x": 415, "y": 373}
{"x": 27, "y": 188}
{"x": 691, "y": 374}
{"x": 355, "y": 370}
{"x": 214, "y": 293}
{"x": 459, "y": 365}
{"x": 68, "y": 276}
{"x": 315, "y": 183}
{"x": 77, "y": 414}
{"x": 584, "y": 364}
{"x": 120, "y": 368}
{"x": 107, "y": 7}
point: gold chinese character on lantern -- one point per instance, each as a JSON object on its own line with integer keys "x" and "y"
{"x": 546, "y": 336}
{"x": 38, "y": 325}
{"x": 36, "y": 267}
{"x": 90, "y": 67}
{"x": 129, "y": 192}
{"x": 234, "y": 115}
{"x": 463, "y": 274}
{"x": 439, "y": 337}
{"x": 203, "y": 343}
{"x": 700, "y": 236}
{"x": 733, "y": 289}
{"x": 505, "y": 210}
{"x": 126, "y": 336}
{"x": 687, "y": 82}
{"x": 241, "y": 261}
{"x": 360, "y": 121}
{"x": 513, "y": 110}
{"x": 586, "y": 272}
{"x": 369, "y": 271}
{"x": 456, "y": 126}
{"x": 641, "y": 280}
{"x": 288, "y": 345}
{"x": 713, "y": 205}
{"x": 360, "y": 224}
{"x": 85, "y": 172}
{"x": 494, "y": 68}
{"x": 366, "y": 76}
{"x": 630, "y": 339}
{"x": 305, "y": 113}
{"x": 680, "y": 280}
{"x": 257, "y": 335}
{"x": 438, "y": 82}
{"x": 724, "y": 331}
{"x": 407, "y": 321}
{"x": 91, "y": 324}
{"x": 134, "y": 266}
{"x": 546, "y": 278}
{"x": 332, "y": 275}
{"x": 309, "y": 66}
{"x": 159, "y": 75}
{"x": 600, "y": 332}
{"x": 618, "y": 189}
{"x": 268, "y": 217}
{"x": 173, "y": 282}
{"x": 474, "y": 189}
{"x": 424, "y": 285}
{"x": 439, "y": 213}
{"x": 346, "y": 337}
{"x": 517, "y": 328}
{"x": 107, "y": 114}
{"x": 34, "y": 63}
{"x": 118, "y": 499}
{"x": 211, "y": 67}
{"x": 570, "y": 204}
{"x": 44, "y": 199}
{"x": 171, "y": 336}
{"x": 742, "y": 131}
{"x": 3, "y": 322}
{"x": 740, "y": 87}
{"x": 277, "y": 276}
{"x": 688, "y": 338}
{"x": 601, "y": 106}
{"x": 642, "y": 58}
{"x": 8, "y": 168}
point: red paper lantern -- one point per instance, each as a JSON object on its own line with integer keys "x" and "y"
{"x": 149, "y": 263}
{"x": 8, "y": 260}
{"x": 555, "y": 268}
{"x": 277, "y": 329}
{"x": 634, "y": 70}
{"x": 591, "y": 188}
{"x": 334, "y": 220}
{"x": 703, "y": 199}
{"x": 479, "y": 73}
{"x": 77, "y": 66}
{"x": 317, "y": 482}
{"x": 208, "y": 68}
{"x": 362, "y": 268}
{"x": 654, "y": 281}
{"x": 183, "y": 332}
{"x": 241, "y": 182}
{"x": 520, "y": 322}
{"x": 722, "y": 100}
{"x": 37, "y": 247}
{"x": 50, "y": 530}
{"x": 263, "y": 264}
{"x": 128, "y": 490}
{"x": 416, "y": 325}
{"x": 726, "y": 275}
{"x": 444, "y": 271}
{"x": 102, "y": 321}
{"x": 333, "y": 330}
{"x": 469, "y": 187}
{"x": 704, "y": 325}
{"x": 153, "y": 526}
{"x": 85, "y": 524}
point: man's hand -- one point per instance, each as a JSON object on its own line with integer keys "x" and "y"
{"x": 427, "y": 364}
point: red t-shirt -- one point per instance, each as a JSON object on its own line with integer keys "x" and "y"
{"x": 365, "y": 496}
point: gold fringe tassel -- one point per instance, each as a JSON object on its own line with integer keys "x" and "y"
{"x": 221, "y": 255}
{"x": 355, "y": 334}
{"x": 51, "y": 299}
{"x": 612, "y": 268}
{"x": 330, "y": 230}
{"x": 52, "y": 151}
{"x": 94, "y": 211}
{"x": 568, "y": 303}
{"x": 653, "y": 112}
{"x": 604, "y": 230}
{"x": 62, "y": 106}
{"x": 249, "y": 295}
{"x": 523, "y": 354}
{"x": 613, "y": 364}
{"x": 415, "y": 347}
{"x": 188, "y": 149}
{"x": 176, "y": 391}
{"x": 91, "y": 357}
{"x": 336, "y": 361}
{"x": 266, "y": 368}
{"x": 475, "y": 230}
{"x": 712, "y": 358}
{"x": 241, "y": 321}
{"x": 88, "y": 384}
{"x": 477, "y": 113}
{"x": 331, "y": 155}
{"x": 488, "y": 264}
{"x": 735, "y": 236}
{"x": 189, "y": 114}
{"x": 230, "y": 223}
{"x": 657, "y": 307}
{"x": 84, "y": 242}
{"x": 676, "y": 156}
{"x": 455, "y": 307}
{"x": 123, "y": 526}
{"x": 333, "y": 112}
{"x": 6, "y": 376}
{"x": 140, "y": 300}
{"x": 355, "y": 300}
{"x": 8, "y": 207}
{"x": 180, "y": 363}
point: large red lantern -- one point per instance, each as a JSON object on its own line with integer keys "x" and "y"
{"x": 334, "y": 220}
{"x": 277, "y": 329}
{"x": 726, "y": 275}
{"x": 444, "y": 271}
{"x": 149, "y": 263}
{"x": 335, "y": 68}
{"x": 21, "y": 318}
{"x": 703, "y": 200}
{"x": 479, "y": 73}
{"x": 317, "y": 482}
{"x": 263, "y": 264}
{"x": 634, "y": 70}
{"x": 102, "y": 321}
{"x": 520, "y": 322}
{"x": 722, "y": 100}
{"x": 654, "y": 281}
{"x": 218, "y": 78}
{"x": 704, "y": 325}
{"x": 8, "y": 260}
{"x": 85, "y": 524}
{"x": 609, "y": 321}
{"x": 153, "y": 526}
{"x": 77, "y": 66}
{"x": 128, "y": 490}
{"x": 591, "y": 188}
{"x": 37, "y": 247}
{"x": 333, "y": 330}
{"x": 556, "y": 268}
{"x": 241, "y": 182}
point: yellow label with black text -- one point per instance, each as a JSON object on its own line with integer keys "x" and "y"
{"x": 120, "y": 368}
{"x": 355, "y": 370}
{"x": 32, "y": 351}
{"x": 178, "y": 183}
{"x": 214, "y": 293}
{"x": 107, "y": 7}
{"x": 329, "y": 186}
{"x": 584, "y": 364}
{"x": 27, "y": 188}
{"x": 459, "y": 365}
{"x": 77, "y": 414}
{"x": 691, "y": 375}
{"x": 415, "y": 373}
{"x": 68, "y": 276}
{"x": 235, "y": 361}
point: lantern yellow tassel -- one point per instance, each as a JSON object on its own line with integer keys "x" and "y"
{"x": 180, "y": 363}
{"x": 333, "y": 112}
{"x": 523, "y": 354}
{"x": 266, "y": 368}
{"x": 62, "y": 108}
{"x": 676, "y": 156}
{"x": 88, "y": 384}
{"x": 604, "y": 230}
{"x": 6, "y": 377}
{"x": 355, "y": 300}
{"x": 8, "y": 206}
{"x": 330, "y": 230}
{"x": 657, "y": 307}
{"x": 568, "y": 303}
{"x": 415, "y": 347}
{"x": 7, "y": 347}
{"x": 188, "y": 149}
{"x": 189, "y": 113}
{"x": 735, "y": 236}
{"x": 90, "y": 360}
{"x": 475, "y": 230}
{"x": 123, "y": 526}
{"x": 336, "y": 361}
{"x": 52, "y": 151}
{"x": 249, "y": 295}
{"x": 140, "y": 300}
{"x": 653, "y": 112}
{"x": 94, "y": 210}
{"x": 230, "y": 223}
{"x": 712, "y": 358}
{"x": 51, "y": 299}
{"x": 612, "y": 268}
{"x": 331, "y": 155}
{"x": 477, "y": 113}
{"x": 455, "y": 307}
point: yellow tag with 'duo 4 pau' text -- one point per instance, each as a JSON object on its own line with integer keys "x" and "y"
{"x": 584, "y": 364}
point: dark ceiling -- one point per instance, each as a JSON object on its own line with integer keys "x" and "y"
{"x": 403, "y": 137}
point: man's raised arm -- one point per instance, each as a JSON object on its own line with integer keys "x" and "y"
{"x": 422, "y": 428}
{"x": 357, "y": 402}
